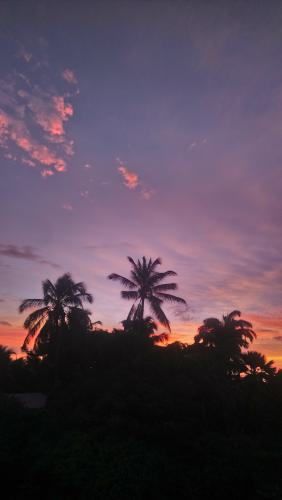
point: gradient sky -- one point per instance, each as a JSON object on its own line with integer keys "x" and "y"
{"x": 143, "y": 128}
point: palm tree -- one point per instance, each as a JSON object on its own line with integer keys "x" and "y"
{"x": 145, "y": 329}
{"x": 54, "y": 309}
{"x": 257, "y": 367}
{"x": 145, "y": 285}
{"x": 229, "y": 335}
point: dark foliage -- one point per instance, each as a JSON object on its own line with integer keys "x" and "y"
{"x": 128, "y": 418}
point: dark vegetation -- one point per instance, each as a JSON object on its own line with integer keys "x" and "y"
{"x": 130, "y": 418}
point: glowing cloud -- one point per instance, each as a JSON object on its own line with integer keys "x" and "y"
{"x": 49, "y": 113}
{"x": 46, "y": 172}
{"x": 130, "y": 179}
{"x": 33, "y": 118}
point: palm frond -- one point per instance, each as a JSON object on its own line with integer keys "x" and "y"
{"x": 157, "y": 277}
{"x": 31, "y": 303}
{"x": 32, "y": 332}
{"x": 138, "y": 313}
{"x": 88, "y": 297}
{"x": 170, "y": 298}
{"x": 133, "y": 263}
{"x": 45, "y": 335}
{"x": 212, "y": 323}
{"x": 125, "y": 281}
{"x": 129, "y": 295}
{"x": 165, "y": 286}
{"x": 241, "y": 323}
{"x": 160, "y": 337}
{"x": 81, "y": 290}
{"x": 49, "y": 289}
{"x": 35, "y": 327}
{"x": 157, "y": 262}
{"x": 136, "y": 277}
{"x": 131, "y": 313}
{"x": 155, "y": 305}
{"x": 232, "y": 315}
{"x": 35, "y": 316}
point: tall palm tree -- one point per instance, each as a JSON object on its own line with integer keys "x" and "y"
{"x": 228, "y": 336}
{"x": 145, "y": 285}
{"x": 54, "y": 309}
{"x": 257, "y": 367}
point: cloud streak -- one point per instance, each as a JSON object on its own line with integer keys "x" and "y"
{"x": 25, "y": 253}
{"x": 132, "y": 181}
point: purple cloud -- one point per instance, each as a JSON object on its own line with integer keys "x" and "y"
{"x": 25, "y": 253}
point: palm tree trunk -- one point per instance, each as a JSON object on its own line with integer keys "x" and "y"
{"x": 142, "y": 308}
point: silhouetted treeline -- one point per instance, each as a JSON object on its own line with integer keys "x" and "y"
{"x": 128, "y": 417}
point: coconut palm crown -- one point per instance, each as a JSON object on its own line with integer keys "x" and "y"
{"x": 229, "y": 335}
{"x": 54, "y": 309}
{"x": 145, "y": 285}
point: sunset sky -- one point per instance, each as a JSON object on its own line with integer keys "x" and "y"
{"x": 143, "y": 128}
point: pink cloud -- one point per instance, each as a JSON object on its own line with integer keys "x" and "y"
{"x": 65, "y": 110}
{"x": 48, "y": 110}
{"x": 46, "y": 172}
{"x": 4, "y": 122}
{"x": 131, "y": 180}
{"x": 16, "y": 131}
{"x": 69, "y": 76}
{"x": 67, "y": 206}
{"x": 68, "y": 148}
{"x": 28, "y": 162}
{"x": 49, "y": 113}
{"x": 147, "y": 194}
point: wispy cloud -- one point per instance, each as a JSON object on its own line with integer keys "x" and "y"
{"x": 69, "y": 76}
{"x": 46, "y": 172}
{"x": 132, "y": 181}
{"x": 147, "y": 194}
{"x": 25, "y": 253}
{"x": 67, "y": 206}
{"x": 5, "y": 323}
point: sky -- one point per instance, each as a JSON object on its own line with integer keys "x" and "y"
{"x": 143, "y": 128}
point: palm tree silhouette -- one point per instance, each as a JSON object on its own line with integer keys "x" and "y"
{"x": 145, "y": 285}
{"x": 60, "y": 301}
{"x": 227, "y": 336}
{"x": 257, "y": 367}
{"x": 145, "y": 329}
